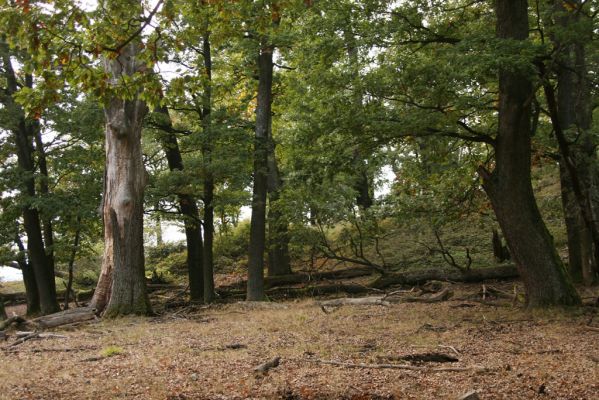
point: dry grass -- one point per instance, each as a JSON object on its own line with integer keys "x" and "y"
{"x": 183, "y": 355}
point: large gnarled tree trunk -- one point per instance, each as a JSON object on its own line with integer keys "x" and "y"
{"x": 122, "y": 287}
{"x": 509, "y": 185}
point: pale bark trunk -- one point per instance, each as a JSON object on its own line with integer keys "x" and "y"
{"x": 122, "y": 287}
{"x": 509, "y": 186}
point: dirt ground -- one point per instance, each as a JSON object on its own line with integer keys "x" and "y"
{"x": 503, "y": 352}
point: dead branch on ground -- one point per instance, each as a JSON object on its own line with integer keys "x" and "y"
{"x": 477, "y": 369}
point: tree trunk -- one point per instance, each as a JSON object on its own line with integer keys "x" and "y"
{"x": 122, "y": 287}
{"x": 279, "y": 262}
{"x": 3, "y": 315}
{"x": 47, "y": 228}
{"x": 208, "y": 176}
{"x": 24, "y": 132}
{"x": 69, "y": 287}
{"x": 509, "y": 185}
{"x": 188, "y": 206}
{"x": 33, "y": 297}
{"x": 574, "y": 115}
{"x": 255, "y": 288}
{"x": 362, "y": 183}
{"x": 158, "y": 221}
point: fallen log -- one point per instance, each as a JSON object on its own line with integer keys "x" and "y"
{"x": 292, "y": 279}
{"x": 40, "y": 335}
{"x": 411, "y": 278}
{"x": 65, "y": 317}
{"x": 423, "y": 358}
{"x": 12, "y": 320}
{"x": 443, "y": 295}
{"x": 312, "y": 290}
{"x": 301, "y": 277}
{"x": 420, "y": 276}
{"x": 355, "y": 301}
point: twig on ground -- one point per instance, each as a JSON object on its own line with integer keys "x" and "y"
{"x": 457, "y": 353}
{"x": 262, "y": 369}
{"x": 24, "y": 339}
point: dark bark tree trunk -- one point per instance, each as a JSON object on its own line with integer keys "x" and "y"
{"x": 47, "y": 229}
{"x": 122, "y": 288}
{"x": 574, "y": 114}
{"x": 208, "y": 176}
{"x": 69, "y": 286}
{"x": 33, "y": 297}
{"x": 509, "y": 185}
{"x": 24, "y": 133}
{"x": 255, "y": 284}
{"x": 3, "y": 315}
{"x": 279, "y": 262}
{"x": 158, "y": 221}
{"x": 362, "y": 181}
{"x": 188, "y": 206}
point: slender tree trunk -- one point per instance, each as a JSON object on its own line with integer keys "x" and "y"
{"x": 3, "y": 315}
{"x": 255, "y": 284}
{"x": 188, "y": 206}
{"x": 362, "y": 183}
{"x": 208, "y": 176}
{"x": 33, "y": 297}
{"x": 509, "y": 185}
{"x": 158, "y": 221}
{"x": 279, "y": 262}
{"x": 574, "y": 224}
{"x": 122, "y": 287}
{"x": 72, "y": 265}
{"x": 47, "y": 228}
{"x": 24, "y": 133}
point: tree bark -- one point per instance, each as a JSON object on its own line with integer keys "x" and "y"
{"x": 24, "y": 133}
{"x": 362, "y": 182}
{"x": 47, "y": 228}
{"x": 574, "y": 116}
{"x": 279, "y": 262}
{"x": 509, "y": 185}
{"x": 69, "y": 287}
{"x": 188, "y": 206}
{"x": 3, "y": 315}
{"x": 31, "y": 292}
{"x": 122, "y": 287}
{"x": 255, "y": 285}
{"x": 208, "y": 175}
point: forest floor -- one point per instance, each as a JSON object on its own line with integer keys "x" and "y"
{"x": 210, "y": 352}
